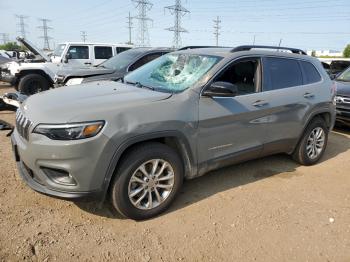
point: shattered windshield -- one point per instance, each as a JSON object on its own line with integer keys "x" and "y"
{"x": 173, "y": 72}
{"x": 345, "y": 76}
{"x": 59, "y": 50}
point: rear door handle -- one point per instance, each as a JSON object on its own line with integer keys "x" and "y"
{"x": 87, "y": 63}
{"x": 308, "y": 95}
{"x": 260, "y": 103}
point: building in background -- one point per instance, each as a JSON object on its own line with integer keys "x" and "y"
{"x": 331, "y": 53}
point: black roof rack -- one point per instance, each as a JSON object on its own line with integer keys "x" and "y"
{"x": 198, "y": 46}
{"x": 249, "y": 47}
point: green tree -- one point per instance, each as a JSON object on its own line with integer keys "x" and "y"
{"x": 11, "y": 46}
{"x": 346, "y": 52}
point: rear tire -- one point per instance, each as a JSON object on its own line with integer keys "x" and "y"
{"x": 313, "y": 143}
{"x": 33, "y": 83}
{"x": 147, "y": 181}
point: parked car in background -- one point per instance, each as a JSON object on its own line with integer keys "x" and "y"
{"x": 343, "y": 97}
{"x": 335, "y": 66}
{"x": 113, "y": 68}
{"x": 179, "y": 116}
{"x": 35, "y": 75}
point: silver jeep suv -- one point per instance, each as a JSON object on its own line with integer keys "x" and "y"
{"x": 188, "y": 112}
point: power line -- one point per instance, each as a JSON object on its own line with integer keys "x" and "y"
{"x": 83, "y": 36}
{"x": 178, "y": 11}
{"x": 45, "y": 35}
{"x": 217, "y": 28}
{"x": 130, "y": 27}
{"x": 143, "y": 6}
{"x": 22, "y": 25}
{"x": 4, "y": 38}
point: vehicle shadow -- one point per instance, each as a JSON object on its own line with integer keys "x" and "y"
{"x": 236, "y": 176}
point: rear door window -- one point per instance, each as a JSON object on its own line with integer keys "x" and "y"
{"x": 281, "y": 73}
{"x": 79, "y": 52}
{"x": 311, "y": 75}
{"x": 103, "y": 52}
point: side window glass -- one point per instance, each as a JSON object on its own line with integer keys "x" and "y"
{"x": 144, "y": 60}
{"x": 311, "y": 75}
{"x": 121, "y": 49}
{"x": 79, "y": 52}
{"x": 103, "y": 52}
{"x": 242, "y": 74}
{"x": 281, "y": 73}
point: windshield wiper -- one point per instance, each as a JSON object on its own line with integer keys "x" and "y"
{"x": 138, "y": 84}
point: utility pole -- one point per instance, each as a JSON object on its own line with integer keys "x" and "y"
{"x": 130, "y": 27}
{"x": 178, "y": 11}
{"x": 4, "y": 38}
{"x": 22, "y": 25}
{"x": 143, "y": 36}
{"x": 45, "y": 35}
{"x": 217, "y": 28}
{"x": 279, "y": 45}
{"x": 254, "y": 40}
{"x": 83, "y": 36}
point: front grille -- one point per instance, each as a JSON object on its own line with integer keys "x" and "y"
{"x": 343, "y": 100}
{"x": 23, "y": 124}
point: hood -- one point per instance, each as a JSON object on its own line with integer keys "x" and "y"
{"x": 343, "y": 88}
{"x": 86, "y": 102}
{"x": 84, "y": 72}
{"x": 32, "y": 48}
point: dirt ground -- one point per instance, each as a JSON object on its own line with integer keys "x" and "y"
{"x": 270, "y": 209}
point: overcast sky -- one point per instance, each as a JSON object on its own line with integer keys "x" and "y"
{"x": 306, "y": 24}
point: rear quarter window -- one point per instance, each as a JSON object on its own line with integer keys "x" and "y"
{"x": 311, "y": 75}
{"x": 281, "y": 73}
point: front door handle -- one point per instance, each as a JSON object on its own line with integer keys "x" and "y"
{"x": 308, "y": 95}
{"x": 260, "y": 103}
{"x": 87, "y": 63}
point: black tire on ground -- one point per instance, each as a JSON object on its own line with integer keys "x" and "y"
{"x": 119, "y": 190}
{"x": 300, "y": 153}
{"x": 33, "y": 83}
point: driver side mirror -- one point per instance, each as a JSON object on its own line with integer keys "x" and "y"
{"x": 67, "y": 57}
{"x": 221, "y": 89}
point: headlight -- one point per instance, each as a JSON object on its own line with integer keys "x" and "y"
{"x": 70, "y": 131}
{"x": 74, "y": 81}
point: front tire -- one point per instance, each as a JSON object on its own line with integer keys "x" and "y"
{"x": 33, "y": 83}
{"x": 147, "y": 181}
{"x": 313, "y": 143}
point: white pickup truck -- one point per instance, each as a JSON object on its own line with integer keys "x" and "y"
{"x": 36, "y": 75}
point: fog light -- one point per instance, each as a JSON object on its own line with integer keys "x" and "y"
{"x": 59, "y": 176}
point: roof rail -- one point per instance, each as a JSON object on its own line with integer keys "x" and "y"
{"x": 197, "y": 46}
{"x": 249, "y": 47}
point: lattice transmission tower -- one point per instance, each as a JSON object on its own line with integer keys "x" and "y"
{"x": 178, "y": 11}
{"x": 22, "y": 25}
{"x": 143, "y": 6}
{"x": 45, "y": 35}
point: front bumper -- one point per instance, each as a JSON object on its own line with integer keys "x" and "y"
{"x": 86, "y": 167}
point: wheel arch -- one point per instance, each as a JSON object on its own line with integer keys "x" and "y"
{"x": 174, "y": 139}
{"x": 324, "y": 114}
{"x": 25, "y": 72}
